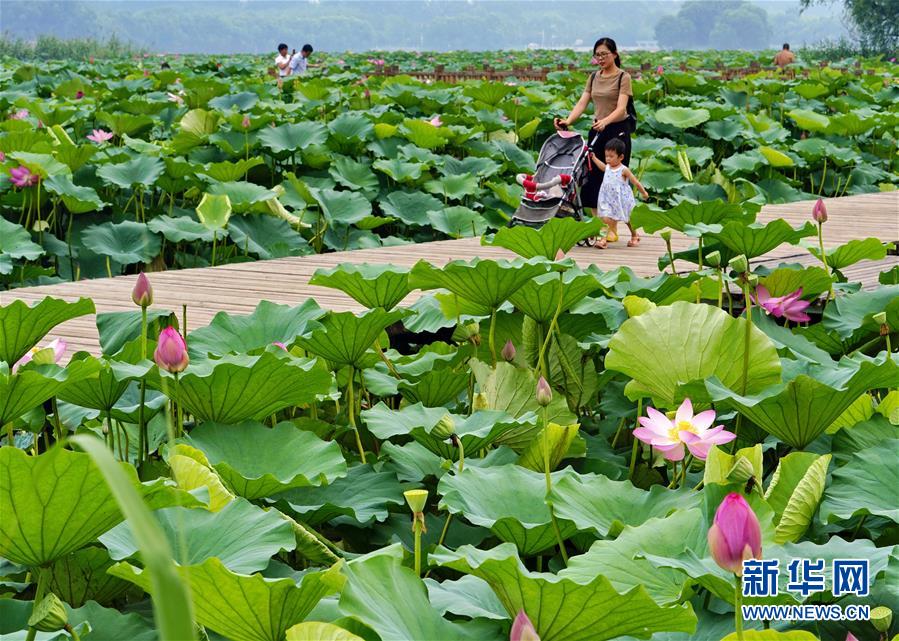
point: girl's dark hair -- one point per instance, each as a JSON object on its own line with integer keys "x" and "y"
{"x": 616, "y": 145}
{"x": 610, "y": 44}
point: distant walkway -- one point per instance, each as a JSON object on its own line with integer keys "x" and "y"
{"x": 239, "y": 288}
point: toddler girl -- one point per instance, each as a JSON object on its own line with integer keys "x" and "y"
{"x": 616, "y": 199}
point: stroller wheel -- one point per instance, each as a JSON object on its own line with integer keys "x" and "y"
{"x": 587, "y": 242}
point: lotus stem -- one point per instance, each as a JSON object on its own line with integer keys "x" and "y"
{"x": 108, "y": 268}
{"x": 720, "y": 288}
{"x": 57, "y": 424}
{"x": 179, "y": 427}
{"x": 492, "y": 335}
{"x": 670, "y": 255}
{"x": 386, "y": 360}
{"x": 214, "y": 239}
{"x": 633, "y": 466}
{"x": 458, "y": 443}
{"x": 549, "y": 484}
{"x": 351, "y": 413}
{"x": 541, "y": 362}
{"x": 618, "y": 431}
{"x": 417, "y": 528}
{"x": 143, "y": 436}
{"x": 858, "y": 528}
{"x": 42, "y": 579}
{"x": 738, "y": 609}
{"x": 71, "y": 630}
{"x": 699, "y": 251}
{"x": 824, "y": 259}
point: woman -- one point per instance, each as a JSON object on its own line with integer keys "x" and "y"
{"x": 609, "y": 88}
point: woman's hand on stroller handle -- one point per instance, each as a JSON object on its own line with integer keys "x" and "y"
{"x": 560, "y": 124}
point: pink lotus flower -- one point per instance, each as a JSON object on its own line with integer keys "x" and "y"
{"x": 523, "y": 629}
{"x": 2, "y": 157}
{"x": 790, "y": 306}
{"x": 175, "y": 98}
{"x": 436, "y": 121}
{"x": 22, "y": 177}
{"x": 100, "y": 136}
{"x": 849, "y": 635}
{"x": 21, "y": 114}
{"x": 366, "y": 93}
{"x": 660, "y": 70}
{"x": 49, "y": 354}
{"x": 819, "y": 212}
{"x": 735, "y": 534}
{"x": 696, "y": 432}
{"x": 146, "y": 73}
{"x": 142, "y": 294}
{"x": 79, "y": 95}
{"x": 281, "y": 345}
{"x": 171, "y": 352}
{"x": 245, "y": 123}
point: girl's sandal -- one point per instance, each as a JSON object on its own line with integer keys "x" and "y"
{"x": 634, "y": 242}
{"x": 611, "y": 237}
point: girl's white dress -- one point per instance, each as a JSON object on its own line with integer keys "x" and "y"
{"x": 616, "y": 198}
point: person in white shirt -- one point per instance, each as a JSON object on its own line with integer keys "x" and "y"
{"x": 282, "y": 62}
{"x": 300, "y": 63}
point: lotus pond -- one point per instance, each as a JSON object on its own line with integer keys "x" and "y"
{"x": 109, "y": 165}
{"x": 561, "y": 448}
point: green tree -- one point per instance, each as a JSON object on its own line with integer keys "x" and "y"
{"x": 742, "y": 27}
{"x": 875, "y": 23}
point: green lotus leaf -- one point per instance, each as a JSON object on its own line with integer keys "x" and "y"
{"x": 688, "y": 213}
{"x": 468, "y": 596}
{"x": 240, "y": 535}
{"x": 125, "y": 123}
{"x": 776, "y": 158}
{"x": 200, "y": 122}
{"x": 141, "y": 171}
{"x": 438, "y": 387}
{"x": 370, "y": 285}
{"x": 15, "y": 242}
{"x": 484, "y": 282}
{"x": 57, "y": 502}
{"x": 345, "y": 337}
{"x": 239, "y": 388}
{"x": 242, "y": 101}
{"x": 44, "y": 165}
{"x": 293, "y": 137}
{"x": 455, "y": 187}
{"x": 812, "y": 396}
{"x": 478, "y": 431}
{"x": 81, "y": 576}
{"x": 320, "y": 632}
{"x": 671, "y": 346}
{"x": 103, "y": 391}
{"x": 618, "y": 559}
{"x": 126, "y": 242}
{"x": 563, "y": 609}
{"x": 490, "y": 93}
{"x": 34, "y": 384}
{"x": 350, "y": 128}
{"x": 256, "y": 461}
{"x": 344, "y": 207}
{"x": 181, "y": 228}
{"x": 423, "y": 134}
{"x": 725, "y": 129}
{"x": 238, "y": 606}
{"x": 353, "y": 174}
{"x": 605, "y": 506}
{"x": 387, "y": 596}
{"x": 757, "y": 240}
{"x": 410, "y": 207}
{"x": 458, "y": 222}
{"x": 266, "y": 237}
{"x": 116, "y": 329}
{"x": 400, "y": 171}
{"x": 226, "y": 171}
{"x": 809, "y": 120}
{"x": 786, "y": 280}
{"x": 853, "y": 252}
{"x": 558, "y": 439}
{"x": 862, "y": 486}
{"x": 22, "y": 326}
{"x": 269, "y": 323}
{"x": 850, "y": 315}
{"x": 539, "y": 297}
{"x": 77, "y": 199}
{"x": 682, "y": 117}
{"x": 772, "y": 635}
{"x": 214, "y": 211}
{"x": 559, "y": 234}
{"x": 795, "y": 491}
{"x": 241, "y": 194}
{"x": 108, "y": 623}
{"x": 363, "y": 495}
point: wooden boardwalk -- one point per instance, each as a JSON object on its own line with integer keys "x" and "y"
{"x": 239, "y": 288}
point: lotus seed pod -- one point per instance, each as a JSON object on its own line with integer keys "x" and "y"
{"x": 881, "y": 618}
{"x": 713, "y": 259}
{"x": 739, "y": 264}
{"x": 416, "y": 499}
{"x": 49, "y": 615}
{"x": 445, "y": 428}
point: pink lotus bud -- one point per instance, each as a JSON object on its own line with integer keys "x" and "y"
{"x": 245, "y": 123}
{"x": 171, "y": 352}
{"x": 79, "y": 95}
{"x": 819, "y": 211}
{"x": 142, "y": 294}
{"x": 544, "y": 393}
{"x": 850, "y": 637}
{"x": 436, "y": 121}
{"x": 2, "y": 157}
{"x": 281, "y": 345}
{"x": 523, "y": 629}
{"x": 560, "y": 255}
{"x": 91, "y": 60}
{"x": 735, "y": 535}
{"x": 508, "y": 352}
{"x": 659, "y": 70}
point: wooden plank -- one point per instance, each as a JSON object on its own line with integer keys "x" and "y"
{"x": 238, "y": 288}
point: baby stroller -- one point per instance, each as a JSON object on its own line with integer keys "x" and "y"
{"x": 554, "y": 187}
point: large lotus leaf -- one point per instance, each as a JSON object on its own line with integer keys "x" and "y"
{"x": 598, "y": 503}
{"x": 34, "y": 384}
{"x": 269, "y": 323}
{"x": 786, "y": 280}
{"x": 351, "y": 127}
{"x": 44, "y": 165}
{"x": 126, "y": 242}
{"x": 370, "y": 285}
{"x": 320, "y": 632}
{"x": 242, "y": 607}
{"x": 116, "y": 329}
{"x": 771, "y": 635}
{"x": 670, "y": 346}
{"x": 757, "y": 240}
{"x": 795, "y": 491}
{"x": 423, "y": 134}
{"x": 363, "y": 494}
{"x": 560, "y": 233}
{"x": 214, "y": 211}
{"x": 180, "y": 228}
{"x": 458, "y": 222}
{"x": 438, "y": 387}
{"x": 477, "y": 431}
{"x": 508, "y": 499}
{"x": 863, "y": 486}
{"x": 238, "y": 388}
{"x": 388, "y": 597}
{"x": 293, "y": 137}
{"x": 57, "y": 502}
{"x": 267, "y": 237}
{"x": 140, "y": 171}
{"x": 484, "y": 282}
{"x": 241, "y": 194}
{"x": 682, "y": 117}
{"x": 809, "y": 120}
{"x": 109, "y": 623}
{"x": 226, "y": 171}
{"x": 775, "y": 157}
{"x": 345, "y": 337}
{"x": 559, "y": 440}
{"x": 21, "y": 326}
{"x": 354, "y": 175}
{"x": 103, "y": 391}
{"x": 410, "y": 207}
{"x": 240, "y": 535}
{"x": 402, "y": 172}
{"x": 853, "y": 252}
{"x": 563, "y": 609}
{"x": 800, "y": 409}
{"x": 344, "y": 207}
{"x": 192, "y": 471}
{"x": 852, "y": 314}
{"x": 200, "y": 122}
{"x": 617, "y": 559}
{"x": 15, "y": 242}
{"x": 687, "y": 213}
{"x": 78, "y": 199}
{"x": 539, "y": 297}
{"x": 256, "y": 461}
{"x": 81, "y": 576}
{"x": 455, "y": 187}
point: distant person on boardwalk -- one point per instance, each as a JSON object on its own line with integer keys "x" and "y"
{"x": 616, "y": 198}
{"x": 282, "y": 62}
{"x": 784, "y": 57}
{"x": 609, "y": 88}
{"x": 300, "y": 63}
